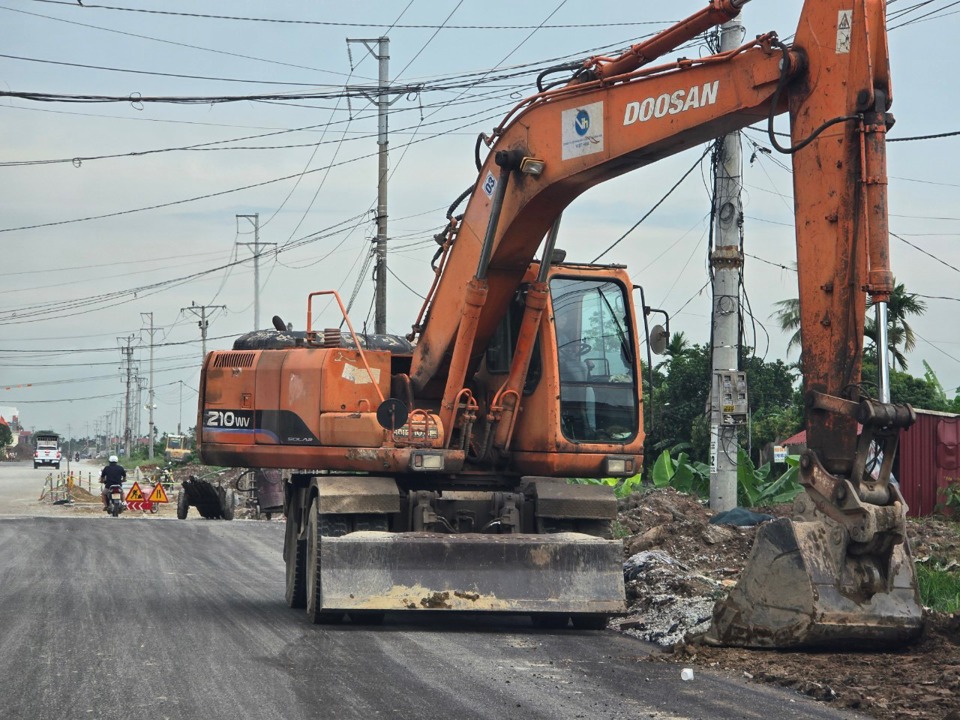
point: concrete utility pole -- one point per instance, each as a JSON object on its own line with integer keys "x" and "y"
{"x": 382, "y": 101}
{"x": 201, "y": 312}
{"x": 137, "y": 415}
{"x": 128, "y": 367}
{"x": 150, "y": 403}
{"x": 255, "y": 220}
{"x": 728, "y": 397}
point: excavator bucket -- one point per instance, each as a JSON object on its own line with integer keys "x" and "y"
{"x": 567, "y": 573}
{"x": 802, "y": 588}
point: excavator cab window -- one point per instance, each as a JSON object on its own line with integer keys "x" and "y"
{"x": 504, "y": 341}
{"x": 598, "y": 392}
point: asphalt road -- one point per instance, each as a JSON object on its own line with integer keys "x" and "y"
{"x": 143, "y": 617}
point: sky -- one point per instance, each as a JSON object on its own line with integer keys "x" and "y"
{"x": 122, "y": 213}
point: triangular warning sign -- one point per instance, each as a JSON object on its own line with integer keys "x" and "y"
{"x": 159, "y": 495}
{"x": 844, "y": 21}
{"x": 135, "y": 494}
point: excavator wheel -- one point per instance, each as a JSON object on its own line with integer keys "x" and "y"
{"x": 295, "y": 555}
{"x": 183, "y": 505}
{"x": 319, "y": 526}
{"x": 227, "y": 503}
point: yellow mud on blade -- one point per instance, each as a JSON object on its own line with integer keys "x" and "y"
{"x": 802, "y": 588}
{"x": 557, "y": 573}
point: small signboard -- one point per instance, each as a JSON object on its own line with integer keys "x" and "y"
{"x": 159, "y": 495}
{"x": 779, "y": 453}
{"x": 135, "y": 494}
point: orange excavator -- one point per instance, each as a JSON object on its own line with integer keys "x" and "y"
{"x": 430, "y": 472}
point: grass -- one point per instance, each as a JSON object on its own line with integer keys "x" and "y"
{"x": 939, "y": 589}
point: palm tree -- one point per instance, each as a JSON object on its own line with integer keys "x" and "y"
{"x": 788, "y": 316}
{"x": 894, "y": 340}
{"x": 899, "y": 306}
{"x": 678, "y": 346}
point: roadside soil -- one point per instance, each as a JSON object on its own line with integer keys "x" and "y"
{"x": 678, "y": 565}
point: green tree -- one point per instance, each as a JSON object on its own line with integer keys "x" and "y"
{"x": 681, "y": 383}
{"x": 678, "y": 346}
{"x": 6, "y": 436}
{"x": 900, "y": 306}
{"x": 682, "y": 394}
{"x": 776, "y": 403}
{"x": 788, "y": 318}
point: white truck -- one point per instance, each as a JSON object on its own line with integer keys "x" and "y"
{"x": 47, "y": 450}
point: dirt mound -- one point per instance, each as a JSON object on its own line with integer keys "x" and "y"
{"x": 80, "y": 495}
{"x": 678, "y": 565}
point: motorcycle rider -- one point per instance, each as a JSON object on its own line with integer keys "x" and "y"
{"x": 112, "y": 474}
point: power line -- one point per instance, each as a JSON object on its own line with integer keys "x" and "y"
{"x": 75, "y": 351}
{"x": 155, "y": 73}
{"x": 77, "y": 399}
{"x": 218, "y": 193}
{"x": 928, "y": 254}
{"x": 656, "y": 205}
{"x": 171, "y": 42}
{"x": 327, "y": 23}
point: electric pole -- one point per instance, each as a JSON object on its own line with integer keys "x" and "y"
{"x": 255, "y": 220}
{"x": 137, "y": 415}
{"x": 150, "y": 404}
{"x": 201, "y": 312}
{"x": 128, "y": 367}
{"x": 382, "y": 101}
{"x": 728, "y": 397}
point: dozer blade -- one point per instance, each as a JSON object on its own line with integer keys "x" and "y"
{"x": 557, "y": 573}
{"x": 800, "y": 588}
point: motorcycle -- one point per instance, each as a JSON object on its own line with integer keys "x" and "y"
{"x": 115, "y": 503}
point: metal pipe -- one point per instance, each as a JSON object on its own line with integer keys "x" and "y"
{"x": 547, "y": 260}
{"x": 496, "y": 206}
{"x": 883, "y": 368}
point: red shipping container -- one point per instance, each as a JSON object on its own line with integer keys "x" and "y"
{"x": 928, "y": 459}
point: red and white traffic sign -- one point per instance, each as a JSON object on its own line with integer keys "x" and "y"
{"x": 159, "y": 495}
{"x": 142, "y": 505}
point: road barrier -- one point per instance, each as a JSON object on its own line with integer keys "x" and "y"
{"x": 58, "y": 488}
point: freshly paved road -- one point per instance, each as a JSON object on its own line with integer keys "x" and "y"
{"x": 143, "y": 617}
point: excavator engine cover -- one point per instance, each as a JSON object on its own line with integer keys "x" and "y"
{"x": 802, "y": 588}
{"x": 563, "y": 572}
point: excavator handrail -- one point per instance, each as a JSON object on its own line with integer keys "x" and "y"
{"x": 311, "y": 333}
{"x": 762, "y": 41}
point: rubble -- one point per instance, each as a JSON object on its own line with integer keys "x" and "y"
{"x": 677, "y": 565}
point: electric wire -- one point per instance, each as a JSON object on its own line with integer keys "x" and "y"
{"x": 656, "y": 205}
{"x": 170, "y": 42}
{"x": 327, "y": 23}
